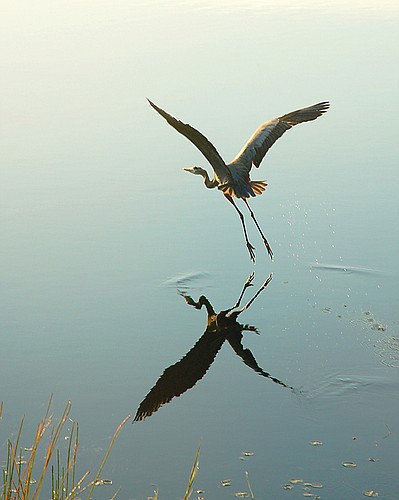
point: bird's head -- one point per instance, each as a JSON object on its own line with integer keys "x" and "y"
{"x": 196, "y": 170}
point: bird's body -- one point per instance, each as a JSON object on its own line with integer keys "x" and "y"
{"x": 233, "y": 178}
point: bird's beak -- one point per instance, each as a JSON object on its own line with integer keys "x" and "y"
{"x": 189, "y": 169}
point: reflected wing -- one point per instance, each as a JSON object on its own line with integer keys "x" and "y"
{"x": 267, "y": 134}
{"x": 183, "y": 375}
{"x": 235, "y": 340}
{"x": 198, "y": 139}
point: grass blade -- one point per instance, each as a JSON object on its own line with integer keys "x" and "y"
{"x": 107, "y": 455}
{"x": 193, "y": 473}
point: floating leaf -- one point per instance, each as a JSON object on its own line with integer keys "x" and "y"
{"x": 100, "y": 482}
{"x": 225, "y": 482}
{"x": 248, "y": 453}
{"x": 313, "y": 485}
{"x": 315, "y": 443}
{"x": 349, "y": 464}
{"x": 370, "y": 493}
{"x": 241, "y": 494}
{"x": 287, "y": 486}
{"x": 296, "y": 481}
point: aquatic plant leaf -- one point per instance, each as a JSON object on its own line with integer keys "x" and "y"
{"x": 287, "y": 486}
{"x": 349, "y": 465}
{"x": 313, "y": 485}
{"x": 225, "y": 482}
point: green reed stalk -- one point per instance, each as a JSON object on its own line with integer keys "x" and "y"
{"x": 17, "y": 476}
{"x": 193, "y": 473}
{"x": 107, "y": 455}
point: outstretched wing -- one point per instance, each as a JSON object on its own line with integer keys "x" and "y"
{"x": 198, "y": 139}
{"x": 267, "y": 134}
{"x": 235, "y": 340}
{"x": 183, "y": 375}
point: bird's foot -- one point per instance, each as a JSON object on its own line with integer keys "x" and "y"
{"x": 267, "y": 281}
{"x": 251, "y": 251}
{"x": 249, "y": 281}
{"x": 268, "y": 248}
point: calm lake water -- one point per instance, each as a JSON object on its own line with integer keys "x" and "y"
{"x": 101, "y": 228}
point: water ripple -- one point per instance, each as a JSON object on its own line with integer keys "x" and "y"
{"x": 340, "y": 268}
{"x": 191, "y": 279}
{"x": 347, "y": 389}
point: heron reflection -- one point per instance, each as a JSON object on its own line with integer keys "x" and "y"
{"x": 222, "y": 326}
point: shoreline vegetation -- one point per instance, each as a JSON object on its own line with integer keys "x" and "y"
{"x": 24, "y": 474}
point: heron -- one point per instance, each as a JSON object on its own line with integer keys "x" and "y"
{"x": 233, "y": 178}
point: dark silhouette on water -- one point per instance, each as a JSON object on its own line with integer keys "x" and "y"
{"x": 233, "y": 178}
{"x": 184, "y": 374}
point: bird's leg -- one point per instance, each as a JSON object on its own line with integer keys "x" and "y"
{"x": 251, "y": 249}
{"x": 267, "y": 281}
{"x": 269, "y": 250}
{"x": 247, "y": 284}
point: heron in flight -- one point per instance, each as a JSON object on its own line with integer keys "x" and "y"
{"x": 233, "y": 178}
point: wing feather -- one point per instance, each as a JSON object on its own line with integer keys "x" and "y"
{"x": 267, "y": 134}
{"x": 198, "y": 139}
{"x": 183, "y": 375}
{"x": 235, "y": 340}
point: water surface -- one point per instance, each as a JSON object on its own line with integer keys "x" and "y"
{"x": 101, "y": 228}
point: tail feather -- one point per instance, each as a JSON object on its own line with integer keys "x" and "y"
{"x": 254, "y": 188}
{"x": 227, "y": 189}
{"x": 258, "y": 186}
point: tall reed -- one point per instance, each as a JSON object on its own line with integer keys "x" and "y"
{"x": 19, "y": 482}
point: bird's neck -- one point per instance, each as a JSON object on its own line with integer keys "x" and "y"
{"x": 209, "y": 183}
